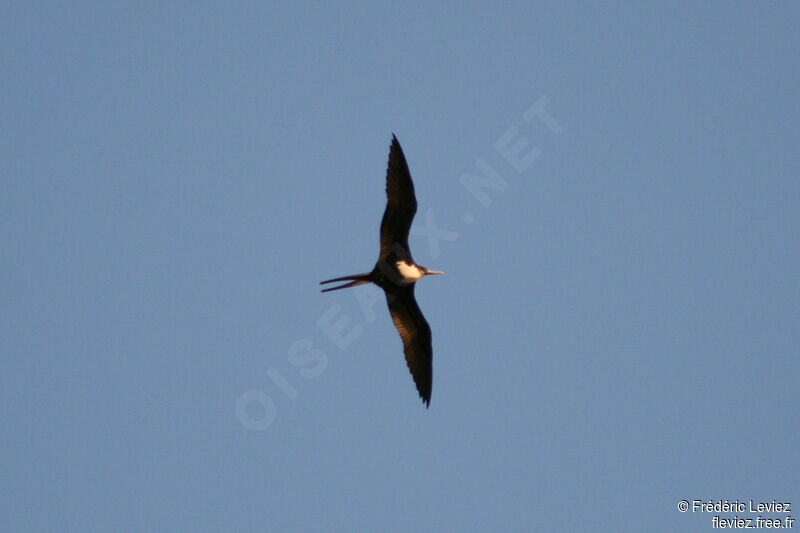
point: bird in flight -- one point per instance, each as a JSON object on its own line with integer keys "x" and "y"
{"x": 396, "y": 272}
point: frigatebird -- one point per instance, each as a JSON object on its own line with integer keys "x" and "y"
{"x": 396, "y": 272}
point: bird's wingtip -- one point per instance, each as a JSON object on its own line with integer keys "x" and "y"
{"x": 426, "y": 400}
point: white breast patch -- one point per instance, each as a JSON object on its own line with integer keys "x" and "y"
{"x": 408, "y": 273}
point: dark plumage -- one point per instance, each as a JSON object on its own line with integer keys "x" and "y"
{"x": 395, "y": 272}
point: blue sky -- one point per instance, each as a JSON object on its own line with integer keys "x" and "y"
{"x": 617, "y": 329}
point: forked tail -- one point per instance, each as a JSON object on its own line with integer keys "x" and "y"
{"x": 357, "y": 279}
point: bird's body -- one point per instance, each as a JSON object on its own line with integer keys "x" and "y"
{"x": 408, "y": 273}
{"x": 396, "y": 272}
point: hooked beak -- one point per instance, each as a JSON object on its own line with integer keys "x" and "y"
{"x": 434, "y": 272}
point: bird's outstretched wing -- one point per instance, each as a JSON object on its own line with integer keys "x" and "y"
{"x": 401, "y": 205}
{"x": 416, "y": 335}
